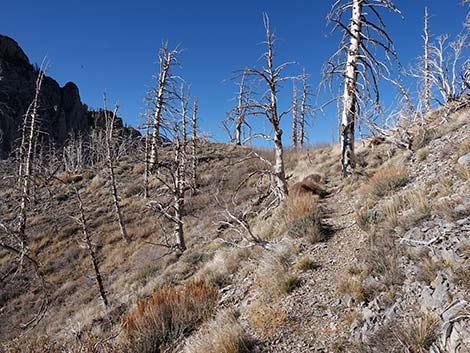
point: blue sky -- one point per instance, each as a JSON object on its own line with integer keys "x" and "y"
{"x": 111, "y": 45}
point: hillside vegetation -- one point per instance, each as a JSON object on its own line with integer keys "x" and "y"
{"x": 377, "y": 262}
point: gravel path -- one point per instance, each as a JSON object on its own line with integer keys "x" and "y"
{"x": 316, "y": 314}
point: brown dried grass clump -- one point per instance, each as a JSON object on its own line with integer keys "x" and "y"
{"x": 171, "y": 313}
{"x": 385, "y": 181}
{"x": 266, "y": 317}
{"x": 303, "y": 218}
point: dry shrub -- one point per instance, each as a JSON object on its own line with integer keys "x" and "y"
{"x": 385, "y": 181}
{"x": 168, "y": 315}
{"x": 266, "y": 317}
{"x": 298, "y": 207}
{"x": 303, "y": 218}
{"x": 422, "y": 154}
{"x": 222, "y": 335}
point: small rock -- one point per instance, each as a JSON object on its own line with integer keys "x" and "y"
{"x": 464, "y": 160}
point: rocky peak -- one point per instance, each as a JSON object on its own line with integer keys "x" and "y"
{"x": 10, "y": 51}
{"x": 62, "y": 111}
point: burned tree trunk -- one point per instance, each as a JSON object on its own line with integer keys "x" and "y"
{"x": 303, "y": 110}
{"x": 294, "y": 117}
{"x": 147, "y": 159}
{"x": 268, "y": 106}
{"x": 349, "y": 112}
{"x": 88, "y": 244}
{"x": 178, "y": 195}
{"x": 166, "y": 58}
{"x": 426, "y": 73}
{"x": 110, "y": 159}
{"x": 171, "y": 193}
{"x": 358, "y": 67}
{"x": 240, "y": 120}
{"x": 28, "y": 142}
{"x": 194, "y": 149}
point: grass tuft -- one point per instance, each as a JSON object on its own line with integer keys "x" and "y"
{"x": 171, "y": 313}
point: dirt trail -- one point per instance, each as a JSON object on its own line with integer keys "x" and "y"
{"x": 315, "y": 312}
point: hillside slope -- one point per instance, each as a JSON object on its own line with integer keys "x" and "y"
{"x": 378, "y": 262}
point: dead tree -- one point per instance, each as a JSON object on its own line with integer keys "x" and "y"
{"x": 294, "y": 116}
{"x": 171, "y": 192}
{"x": 194, "y": 148}
{"x": 267, "y": 105}
{"x": 426, "y": 68}
{"x": 161, "y": 96}
{"x": 89, "y": 246}
{"x": 111, "y": 160}
{"x": 449, "y": 70}
{"x": 28, "y": 142}
{"x": 304, "y": 108}
{"x": 147, "y": 158}
{"x": 358, "y": 65}
{"x": 184, "y": 115}
{"x": 237, "y": 117}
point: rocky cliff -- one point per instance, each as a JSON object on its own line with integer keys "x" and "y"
{"x": 61, "y": 109}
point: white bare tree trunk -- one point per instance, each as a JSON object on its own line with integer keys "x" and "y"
{"x": 303, "y": 110}
{"x": 27, "y": 153}
{"x": 194, "y": 149}
{"x": 349, "y": 111}
{"x": 294, "y": 117}
{"x": 166, "y": 59}
{"x": 147, "y": 159}
{"x": 179, "y": 195}
{"x": 240, "y": 112}
{"x": 110, "y": 156}
{"x": 426, "y": 73}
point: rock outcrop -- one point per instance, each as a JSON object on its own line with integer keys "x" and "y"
{"x": 61, "y": 109}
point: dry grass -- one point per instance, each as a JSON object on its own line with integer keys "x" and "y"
{"x": 353, "y": 286}
{"x": 225, "y": 263}
{"x": 385, "y": 181}
{"x": 464, "y": 147}
{"x": 463, "y": 172}
{"x": 382, "y": 259}
{"x": 168, "y": 315}
{"x": 444, "y": 207}
{"x": 427, "y": 269}
{"x": 303, "y": 218}
{"x": 423, "y": 138}
{"x": 266, "y": 317}
{"x": 422, "y": 154}
{"x": 274, "y": 276}
{"x": 306, "y": 263}
{"x": 46, "y": 344}
{"x": 222, "y": 335}
{"x": 416, "y": 336}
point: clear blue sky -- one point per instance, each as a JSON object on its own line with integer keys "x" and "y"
{"x": 111, "y": 46}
